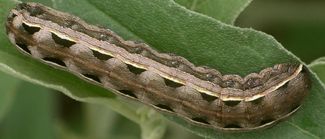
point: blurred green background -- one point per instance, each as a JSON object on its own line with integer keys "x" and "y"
{"x": 299, "y": 25}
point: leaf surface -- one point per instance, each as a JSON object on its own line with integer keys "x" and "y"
{"x": 171, "y": 28}
{"x": 225, "y": 11}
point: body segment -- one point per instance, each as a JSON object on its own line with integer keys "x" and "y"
{"x": 202, "y": 96}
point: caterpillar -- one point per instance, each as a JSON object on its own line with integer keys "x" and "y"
{"x": 169, "y": 83}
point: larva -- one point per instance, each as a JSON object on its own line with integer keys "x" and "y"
{"x": 200, "y": 95}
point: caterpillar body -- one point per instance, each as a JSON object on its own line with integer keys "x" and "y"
{"x": 169, "y": 83}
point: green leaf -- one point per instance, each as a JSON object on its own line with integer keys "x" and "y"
{"x": 168, "y": 27}
{"x": 8, "y": 86}
{"x": 21, "y": 66}
{"x": 318, "y": 66}
{"x": 32, "y": 114}
{"x": 108, "y": 124}
{"x": 149, "y": 122}
{"x": 223, "y": 10}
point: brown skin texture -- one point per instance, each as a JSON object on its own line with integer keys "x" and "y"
{"x": 290, "y": 83}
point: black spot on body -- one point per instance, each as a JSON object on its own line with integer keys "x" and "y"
{"x": 30, "y": 29}
{"x": 208, "y": 98}
{"x": 258, "y": 101}
{"x": 171, "y": 83}
{"x": 55, "y": 61}
{"x": 22, "y": 45}
{"x": 231, "y": 103}
{"x": 232, "y": 126}
{"x": 164, "y": 107}
{"x": 101, "y": 56}
{"x": 200, "y": 120}
{"x": 266, "y": 121}
{"x": 61, "y": 41}
{"x": 92, "y": 77}
{"x": 134, "y": 69}
{"x": 295, "y": 107}
{"x": 128, "y": 93}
